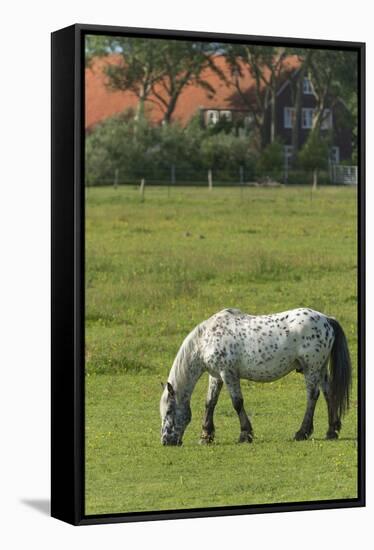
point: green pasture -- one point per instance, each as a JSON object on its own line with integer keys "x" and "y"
{"x": 154, "y": 270}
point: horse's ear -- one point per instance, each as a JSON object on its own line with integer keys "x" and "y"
{"x": 170, "y": 390}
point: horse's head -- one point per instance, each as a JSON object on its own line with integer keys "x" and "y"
{"x": 174, "y": 417}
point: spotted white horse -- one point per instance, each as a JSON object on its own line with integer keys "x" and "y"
{"x": 232, "y": 345}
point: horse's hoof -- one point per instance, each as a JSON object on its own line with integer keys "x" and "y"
{"x": 245, "y": 437}
{"x": 301, "y": 436}
{"x": 332, "y": 434}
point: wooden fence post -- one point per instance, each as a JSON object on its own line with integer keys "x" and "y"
{"x": 115, "y": 182}
{"x": 315, "y": 179}
{"x": 142, "y": 189}
{"x": 210, "y": 179}
{"x": 241, "y": 181}
{"x": 172, "y": 177}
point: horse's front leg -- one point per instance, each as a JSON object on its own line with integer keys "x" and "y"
{"x": 232, "y": 382}
{"x": 214, "y": 389}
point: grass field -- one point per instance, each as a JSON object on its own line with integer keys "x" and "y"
{"x": 156, "y": 269}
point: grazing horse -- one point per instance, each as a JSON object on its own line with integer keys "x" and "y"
{"x": 232, "y": 345}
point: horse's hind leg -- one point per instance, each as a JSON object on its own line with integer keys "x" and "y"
{"x": 312, "y": 393}
{"x": 214, "y": 389}
{"x": 334, "y": 422}
{"x": 233, "y": 385}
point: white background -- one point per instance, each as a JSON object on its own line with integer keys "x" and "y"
{"x": 25, "y": 272}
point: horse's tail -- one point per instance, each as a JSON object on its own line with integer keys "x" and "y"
{"x": 340, "y": 371}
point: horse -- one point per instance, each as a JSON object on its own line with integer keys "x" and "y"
{"x": 232, "y": 345}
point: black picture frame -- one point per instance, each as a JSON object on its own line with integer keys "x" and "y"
{"x": 68, "y": 302}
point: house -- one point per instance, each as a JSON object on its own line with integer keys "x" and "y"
{"x": 227, "y": 104}
{"x": 335, "y": 121}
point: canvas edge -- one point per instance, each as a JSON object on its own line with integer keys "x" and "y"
{"x": 67, "y": 484}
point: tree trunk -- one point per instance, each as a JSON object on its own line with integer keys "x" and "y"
{"x": 298, "y": 105}
{"x": 273, "y": 116}
{"x": 170, "y": 109}
{"x": 139, "y": 113}
{"x": 295, "y": 141}
{"x": 261, "y": 126}
{"x": 262, "y": 137}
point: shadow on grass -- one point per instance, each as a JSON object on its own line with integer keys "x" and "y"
{"x": 269, "y": 440}
{"x": 335, "y": 440}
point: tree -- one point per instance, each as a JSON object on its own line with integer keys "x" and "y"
{"x": 137, "y": 64}
{"x": 266, "y": 64}
{"x": 346, "y": 72}
{"x": 334, "y": 77}
{"x": 314, "y": 155}
{"x": 271, "y": 161}
{"x": 297, "y": 82}
{"x": 184, "y": 64}
{"x": 155, "y": 70}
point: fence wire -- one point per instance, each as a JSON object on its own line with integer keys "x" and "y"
{"x": 179, "y": 175}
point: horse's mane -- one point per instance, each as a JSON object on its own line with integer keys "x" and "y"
{"x": 186, "y": 359}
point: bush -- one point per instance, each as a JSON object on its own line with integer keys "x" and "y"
{"x": 303, "y": 177}
{"x": 315, "y": 153}
{"x": 137, "y": 150}
{"x": 226, "y": 152}
{"x": 116, "y": 144}
{"x": 271, "y": 162}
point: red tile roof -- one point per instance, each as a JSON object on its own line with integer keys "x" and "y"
{"x": 101, "y": 102}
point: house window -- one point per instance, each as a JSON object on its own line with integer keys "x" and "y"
{"x": 307, "y": 86}
{"x": 289, "y": 117}
{"x": 227, "y": 115}
{"x": 212, "y": 117}
{"x": 326, "y": 120}
{"x": 335, "y": 155}
{"x": 307, "y": 118}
